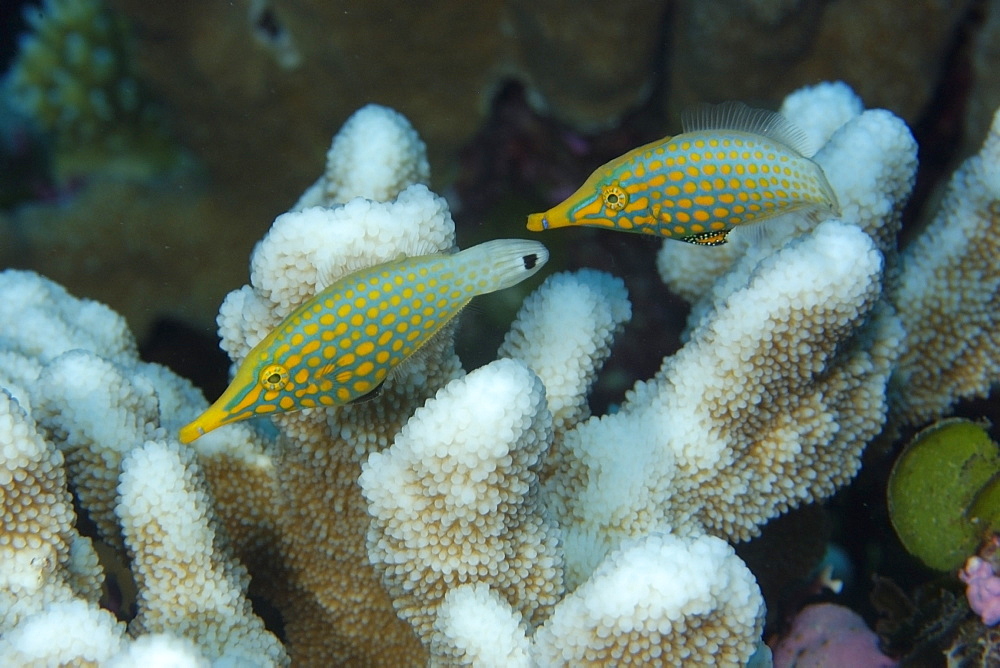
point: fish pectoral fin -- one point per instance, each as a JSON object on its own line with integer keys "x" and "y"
{"x": 368, "y": 397}
{"x": 707, "y": 238}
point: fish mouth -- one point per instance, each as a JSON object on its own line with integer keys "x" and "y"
{"x": 538, "y": 222}
{"x": 225, "y": 410}
{"x": 190, "y": 432}
{"x": 213, "y": 418}
{"x": 557, "y": 216}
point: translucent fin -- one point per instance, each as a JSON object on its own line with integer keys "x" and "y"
{"x": 738, "y": 116}
{"x": 505, "y": 262}
{"x": 757, "y": 232}
{"x": 778, "y": 226}
{"x": 429, "y": 348}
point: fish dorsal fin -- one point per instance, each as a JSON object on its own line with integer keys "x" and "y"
{"x": 738, "y": 116}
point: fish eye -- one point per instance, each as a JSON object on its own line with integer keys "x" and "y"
{"x": 273, "y": 377}
{"x": 615, "y": 198}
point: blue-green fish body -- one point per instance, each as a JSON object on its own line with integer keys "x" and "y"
{"x": 732, "y": 166}
{"x": 340, "y": 345}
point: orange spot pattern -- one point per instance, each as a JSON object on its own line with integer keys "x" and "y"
{"x": 677, "y": 188}
{"x": 341, "y": 344}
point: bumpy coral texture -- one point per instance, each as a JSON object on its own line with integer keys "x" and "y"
{"x": 432, "y": 531}
{"x": 376, "y": 155}
{"x": 64, "y": 633}
{"x": 37, "y": 536}
{"x": 569, "y": 367}
{"x": 475, "y": 626}
{"x": 949, "y": 294}
{"x": 484, "y": 522}
{"x": 338, "y": 609}
{"x": 170, "y": 550}
{"x": 106, "y": 407}
{"x": 97, "y": 411}
{"x": 768, "y": 405}
{"x": 659, "y": 600}
{"x": 780, "y": 384}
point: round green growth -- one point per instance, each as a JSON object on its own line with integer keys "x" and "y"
{"x": 985, "y": 509}
{"x": 944, "y": 492}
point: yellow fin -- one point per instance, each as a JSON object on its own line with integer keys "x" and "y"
{"x": 740, "y": 117}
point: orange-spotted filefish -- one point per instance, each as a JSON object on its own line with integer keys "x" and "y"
{"x": 732, "y": 166}
{"x": 340, "y": 345}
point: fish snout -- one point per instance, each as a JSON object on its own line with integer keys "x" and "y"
{"x": 538, "y": 222}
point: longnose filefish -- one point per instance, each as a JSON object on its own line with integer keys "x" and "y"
{"x": 732, "y": 166}
{"x": 340, "y": 345}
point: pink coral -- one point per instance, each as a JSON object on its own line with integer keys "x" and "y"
{"x": 983, "y": 589}
{"x": 825, "y": 634}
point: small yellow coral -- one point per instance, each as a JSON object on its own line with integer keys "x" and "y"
{"x": 74, "y": 75}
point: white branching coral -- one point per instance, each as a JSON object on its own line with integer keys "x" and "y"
{"x": 64, "y": 633}
{"x": 483, "y": 522}
{"x": 337, "y": 609}
{"x": 40, "y": 320}
{"x": 42, "y": 558}
{"x": 871, "y": 162}
{"x": 189, "y": 584}
{"x": 475, "y": 626}
{"x": 949, "y": 294}
{"x": 473, "y": 502}
{"x": 305, "y": 251}
{"x": 156, "y": 650}
{"x": 98, "y": 410}
{"x": 821, "y": 110}
{"x": 568, "y": 364}
{"x": 769, "y": 405}
{"x": 660, "y": 600}
{"x": 376, "y": 155}
{"x": 771, "y": 402}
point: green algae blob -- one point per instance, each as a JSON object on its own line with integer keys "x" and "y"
{"x": 944, "y": 492}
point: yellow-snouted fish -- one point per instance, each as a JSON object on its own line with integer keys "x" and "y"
{"x": 340, "y": 345}
{"x": 732, "y": 166}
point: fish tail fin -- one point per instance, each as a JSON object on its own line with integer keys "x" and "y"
{"x": 502, "y": 262}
